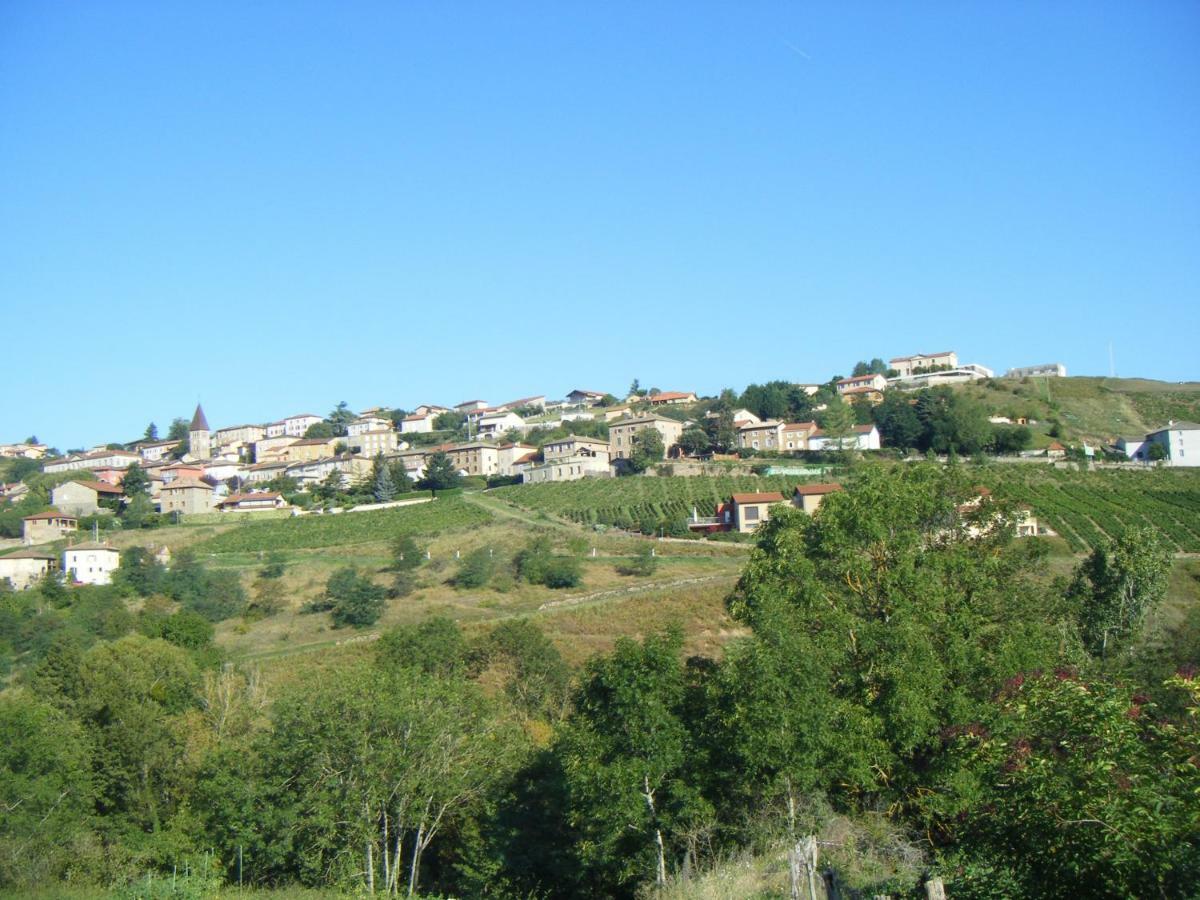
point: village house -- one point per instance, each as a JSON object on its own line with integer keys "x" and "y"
{"x": 760, "y": 435}
{"x": 266, "y": 471}
{"x": 23, "y": 451}
{"x": 671, "y": 398}
{"x": 417, "y": 424}
{"x": 82, "y": 498}
{"x": 47, "y": 526}
{"x": 794, "y": 435}
{"x": 14, "y": 491}
{"x": 314, "y": 471}
{"x": 308, "y": 449}
{"x": 90, "y": 562}
{"x": 741, "y": 416}
{"x": 1176, "y": 439}
{"x": 157, "y": 450}
{"x": 185, "y": 496}
{"x": 875, "y": 383}
{"x": 617, "y": 411}
{"x": 861, "y": 437}
{"x": 1047, "y": 370}
{"x": 372, "y": 443}
{"x": 1056, "y": 450}
{"x": 238, "y": 434}
{"x": 497, "y": 422}
{"x": 271, "y": 448}
{"x": 568, "y": 459}
{"x": 474, "y": 458}
{"x": 538, "y": 402}
{"x": 585, "y": 398}
{"x": 807, "y": 497}
{"x": 749, "y": 511}
{"x": 430, "y": 409}
{"x": 23, "y": 569}
{"x": 175, "y": 471}
{"x": 510, "y": 456}
{"x": 471, "y": 406}
{"x": 622, "y": 432}
{"x": 97, "y": 459}
{"x": 923, "y": 362}
{"x": 293, "y": 426}
{"x": 365, "y": 424}
{"x": 253, "y": 501}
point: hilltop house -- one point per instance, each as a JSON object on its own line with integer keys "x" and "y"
{"x": 366, "y": 424}
{"x": 538, "y": 402}
{"x": 569, "y": 459}
{"x": 91, "y": 563}
{"x": 82, "y": 498}
{"x": 671, "y": 398}
{"x": 47, "y": 526}
{"x": 185, "y": 496}
{"x": 622, "y": 432}
{"x": 923, "y": 362}
{"x": 372, "y": 443}
{"x": 471, "y": 405}
{"x": 417, "y": 424}
{"x": 1176, "y": 439}
{"x": 293, "y": 426}
{"x": 585, "y": 398}
{"x": 496, "y": 422}
{"x": 862, "y": 387}
{"x": 155, "y": 451}
{"x": 25, "y": 568}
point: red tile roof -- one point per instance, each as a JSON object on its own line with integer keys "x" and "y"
{"x": 809, "y": 490}
{"x": 48, "y": 515}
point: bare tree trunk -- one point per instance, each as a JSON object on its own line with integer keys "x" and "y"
{"x": 661, "y": 874}
{"x": 370, "y": 867}
{"x": 387, "y": 858}
{"x": 935, "y": 890}
{"x": 809, "y": 851}
{"x": 416, "y": 859}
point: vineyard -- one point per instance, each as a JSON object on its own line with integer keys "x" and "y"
{"x": 309, "y": 532}
{"x": 1087, "y": 507}
{"x": 626, "y": 502}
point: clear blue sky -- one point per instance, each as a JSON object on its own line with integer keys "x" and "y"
{"x": 276, "y": 206}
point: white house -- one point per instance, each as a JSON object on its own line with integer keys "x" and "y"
{"x": 908, "y": 365}
{"x": 873, "y": 382}
{"x": 99, "y": 459}
{"x": 364, "y": 424}
{"x": 1048, "y": 370}
{"x": 298, "y": 425}
{"x": 1180, "y": 442}
{"x": 862, "y": 437}
{"x": 497, "y": 422}
{"x": 417, "y": 424}
{"x": 91, "y": 563}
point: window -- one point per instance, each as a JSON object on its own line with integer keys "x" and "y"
{"x": 751, "y": 514}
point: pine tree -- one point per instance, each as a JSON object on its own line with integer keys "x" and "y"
{"x": 384, "y": 488}
{"x": 151, "y": 432}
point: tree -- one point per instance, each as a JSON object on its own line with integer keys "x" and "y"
{"x": 354, "y": 599}
{"x": 399, "y": 475}
{"x": 539, "y": 676}
{"x": 449, "y": 421}
{"x": 339, "y": 419}
{"x": 1115, "y": 586}
{"x": 330, "y": 487}
{"x": 635, "y": 389}
{"x": 897, "y": 421}
{"x": 140, "y": 572}
{"x": 644, "y": 562}
{"x": 476, "y": 569}
{"x": 151, "y": 433}
{"x": 406, "y": 555}
{"x": 694, "y": 441}
{"x": 837, "y": 421}
{"x": 320, "y": 431}
{"x": 435, "y": 647}
{"x": 383, "y": 489}
{"x": 1156, "y": 452}
{"x": 623, "y": 749}
{"x": 440, "y": 473}
{"x": 46, "y": 791}
{"x": 135, "y": 483}
{"x": 178, "y": 430}
{"x": 647, "y": 449}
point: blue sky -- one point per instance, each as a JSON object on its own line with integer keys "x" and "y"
{"x": 272, "y": 207}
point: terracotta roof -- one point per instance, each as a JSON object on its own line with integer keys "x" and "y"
{"x": 761, "y": 497}
{"x": 809, "y": 490}
{"x": 48, "y": 515}
{"x": 417, "y": 418}
{"x": 312, "y": 442}
{"x": 671, "y": 395}
{"x": 857, "y": 378}
{"x": 800, "y": 426}
{"x": 528, "y": 457}
{"x": 1055, "y": 445}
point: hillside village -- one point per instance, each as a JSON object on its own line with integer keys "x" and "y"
{"x": 376, "y": 457}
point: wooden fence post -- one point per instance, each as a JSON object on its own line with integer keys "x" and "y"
{"x": 935, "y": 890}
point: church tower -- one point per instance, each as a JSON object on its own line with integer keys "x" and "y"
{"x": 199, "y": 437}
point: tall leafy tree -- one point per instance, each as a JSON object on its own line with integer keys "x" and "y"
{"x": 1115, "y": 586}
{"x": 178, "y": 430}
{"x": 647, "y": 450}
{"x": 837, "y": 421}
{"x": 135, "y": 483}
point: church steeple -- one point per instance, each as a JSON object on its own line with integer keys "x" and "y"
{"x": 199, "y": 423}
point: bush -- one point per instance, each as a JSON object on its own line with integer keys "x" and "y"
{"x": 403, "y": 584}
{"x": 406, "y": 555}
{"x": 476, "y": 569}
{"x": 562, "y": 572}
{"x": 644, "y": 562}
{"x": 355, "y": 600}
